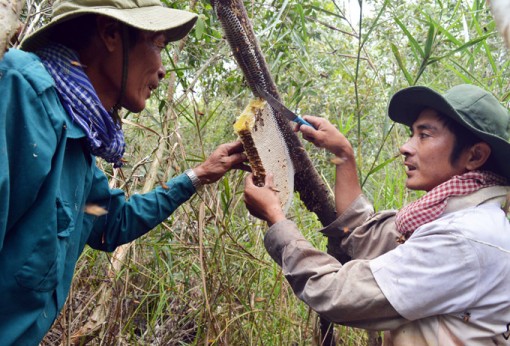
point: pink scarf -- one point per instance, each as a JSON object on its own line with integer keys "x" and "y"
{"x": 432, "y": 205}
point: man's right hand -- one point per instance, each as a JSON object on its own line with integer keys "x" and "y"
{"x": 326, "y": 135}
{"x": 224, "y": 158}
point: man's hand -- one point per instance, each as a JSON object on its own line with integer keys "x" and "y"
{"x": 263, "y": 202}
{"x": 326, "y": 136}
{"x": 224, "y": 158}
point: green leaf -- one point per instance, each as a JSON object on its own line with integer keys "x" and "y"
{"x": 400, "y": 63}
{"x": 382, "y": 165}
{"x": 410, "y": 37}
{"x": 199, "y": 28}
{"x": 162, "y": 104}
{"x": 301, "y": 13}
{"x": 327, "y": 12}
{"x": 431, "y": 35}
{"x": 463, "y": 73}
{"x": 465, "y": 46}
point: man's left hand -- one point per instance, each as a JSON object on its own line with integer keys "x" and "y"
{"x": 263, "y": 202}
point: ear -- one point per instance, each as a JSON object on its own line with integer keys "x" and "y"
{"x": 108, "y": 30}
{"x": 478, "y": 154}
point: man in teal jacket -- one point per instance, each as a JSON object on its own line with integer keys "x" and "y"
{"x": 60, "y": 97}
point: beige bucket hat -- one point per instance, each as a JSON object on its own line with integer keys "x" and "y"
{"x": 148, "y": 15}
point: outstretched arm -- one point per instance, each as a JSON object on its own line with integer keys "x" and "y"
{"x": 344, "y": 294}
{"x": 127, "y": 220}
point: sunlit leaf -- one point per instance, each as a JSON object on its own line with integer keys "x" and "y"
{"x": 410, "y": 37}
{"x": 401, "y": 64}
{"x": 199, "y": 28}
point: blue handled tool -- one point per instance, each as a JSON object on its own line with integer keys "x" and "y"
{"x": 281, "y": 108}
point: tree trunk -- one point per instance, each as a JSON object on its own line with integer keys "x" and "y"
{"x": 307, "y": 182}
{"x": 9, "y": 22}
{"x": 239, "y": 32}
{"x": 501, "y": 11}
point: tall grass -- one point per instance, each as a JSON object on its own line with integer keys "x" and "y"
{"x": 203, "y": 276}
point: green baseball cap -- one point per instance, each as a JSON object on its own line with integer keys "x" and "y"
{"x": 149, "y": 15}
{"x": 472, "y": 107}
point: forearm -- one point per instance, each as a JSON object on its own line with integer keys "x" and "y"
{"x": 347, "y": 187}
{"x": 127, "y": 220}
{"x": 345, "y": 294}
{"x": 325, "y": 135}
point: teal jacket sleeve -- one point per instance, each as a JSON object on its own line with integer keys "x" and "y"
{"x": 27, "y": 138}
{"x": 127, "y": 220}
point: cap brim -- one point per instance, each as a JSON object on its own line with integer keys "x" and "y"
{"x": 407, "y": 104}
{"x": 175, "y": 23}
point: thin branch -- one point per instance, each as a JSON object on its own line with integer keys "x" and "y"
{"x": 212, "y": 60}
{"x": 329, "y": 26}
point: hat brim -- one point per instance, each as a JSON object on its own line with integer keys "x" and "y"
{"x": 175, "y": 23}
{"x": 407, "y": 104}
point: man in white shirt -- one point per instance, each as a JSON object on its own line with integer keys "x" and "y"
{"x": 448, "y": 283}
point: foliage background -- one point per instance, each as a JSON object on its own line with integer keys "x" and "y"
{"x": 203, "y": 276}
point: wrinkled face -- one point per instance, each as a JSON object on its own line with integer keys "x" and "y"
{"x": 145, "y": 69}
{"x": 427, "y": 153}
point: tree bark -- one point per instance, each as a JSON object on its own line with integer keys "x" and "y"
{"x": 241, "y": 37}
{"x": 501, "y": 11}
{"x": 9, "y": 22}
{"x": 307, "y": 182}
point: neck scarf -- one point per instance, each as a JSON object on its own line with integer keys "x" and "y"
{"x": 104, "y": 137}
{"x": 429, "y": 207}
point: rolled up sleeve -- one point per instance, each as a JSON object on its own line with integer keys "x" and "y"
{"x": 363, "y": 233}
{"x": 346, "y": 294}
